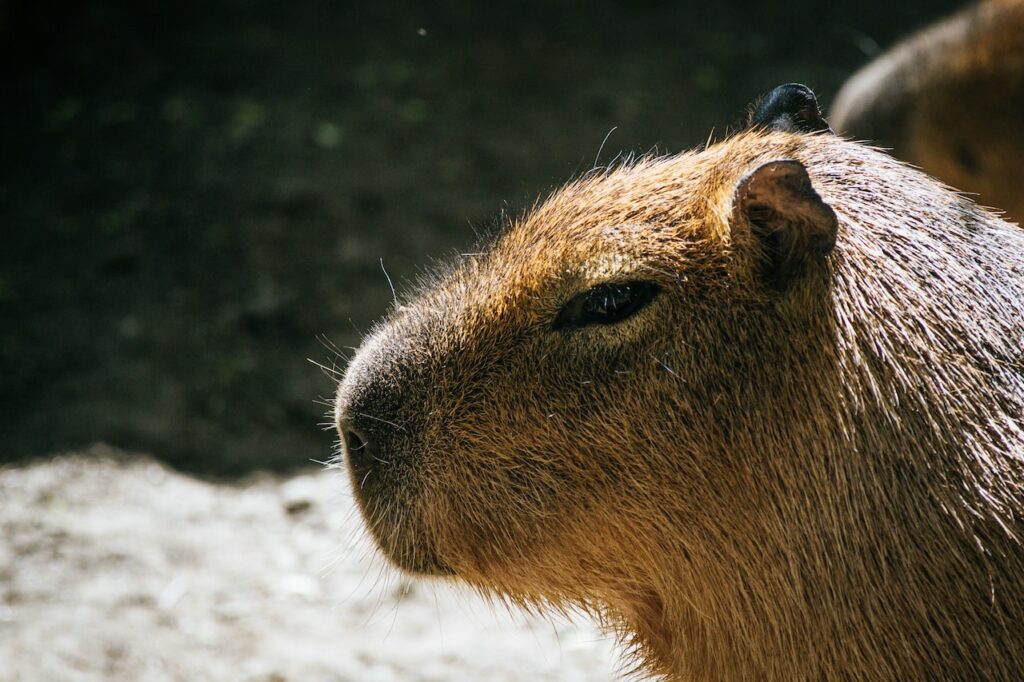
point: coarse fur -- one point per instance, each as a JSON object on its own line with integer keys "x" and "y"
{"x": 746, "y": 482}
{"x": 950, "y": 99}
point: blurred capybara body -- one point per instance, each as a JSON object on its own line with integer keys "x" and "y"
{"x": 758, "y": 407}
{"x": 950, "y": 99}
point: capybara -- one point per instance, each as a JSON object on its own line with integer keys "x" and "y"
{"x": 950, "y": 99}
{"x": 757, "y": 407}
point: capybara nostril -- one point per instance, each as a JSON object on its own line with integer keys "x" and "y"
{"x": 357, "y": 449}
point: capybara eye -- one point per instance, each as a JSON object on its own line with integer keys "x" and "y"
{"x": 605, "y": 304}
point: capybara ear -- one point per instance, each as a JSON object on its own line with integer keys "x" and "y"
{"x": 790, "y": 221}
{"x": 790, "y": 108}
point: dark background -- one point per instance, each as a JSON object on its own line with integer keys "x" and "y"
{"x": 191, "y": 193}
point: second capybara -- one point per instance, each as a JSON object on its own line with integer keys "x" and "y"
{"x": 758, "y": 407}
{"x": 950, "y": 99}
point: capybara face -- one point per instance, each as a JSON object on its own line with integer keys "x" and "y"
{"x": 492, "y": 410}
{"x": 516, "y": 422}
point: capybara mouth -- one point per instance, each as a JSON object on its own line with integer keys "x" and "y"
{"x": 393, "y": 530}
{"x": 388, "y": 517}
{"x": 403, "y": 547}
{"x": 433, "y": 567}
{"x": 416, "y": 560}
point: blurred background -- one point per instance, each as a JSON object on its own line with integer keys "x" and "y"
{"x": 195, "y": 195}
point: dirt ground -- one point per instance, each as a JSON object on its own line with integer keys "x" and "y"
{"x": 114, "y": 567}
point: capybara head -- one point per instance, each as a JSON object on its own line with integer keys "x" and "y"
{"x": 508, "y": 419}
{"x": 654, "y": 397}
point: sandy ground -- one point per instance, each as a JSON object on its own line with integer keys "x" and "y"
{"x": 113, "y": 567}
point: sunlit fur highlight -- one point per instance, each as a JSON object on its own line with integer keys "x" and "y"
{"x": 824, "y": 482}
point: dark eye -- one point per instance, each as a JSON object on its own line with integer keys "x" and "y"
{"x": 605, "y": 304}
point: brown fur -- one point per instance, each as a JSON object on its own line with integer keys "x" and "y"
{"x": 950, "y": 99}
{"x": 745, "y": 483}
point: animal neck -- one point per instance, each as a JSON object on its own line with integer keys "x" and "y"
{"x": 830, "y": 588}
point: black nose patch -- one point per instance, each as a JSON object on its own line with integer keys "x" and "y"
{"x": 790, "y": 108}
